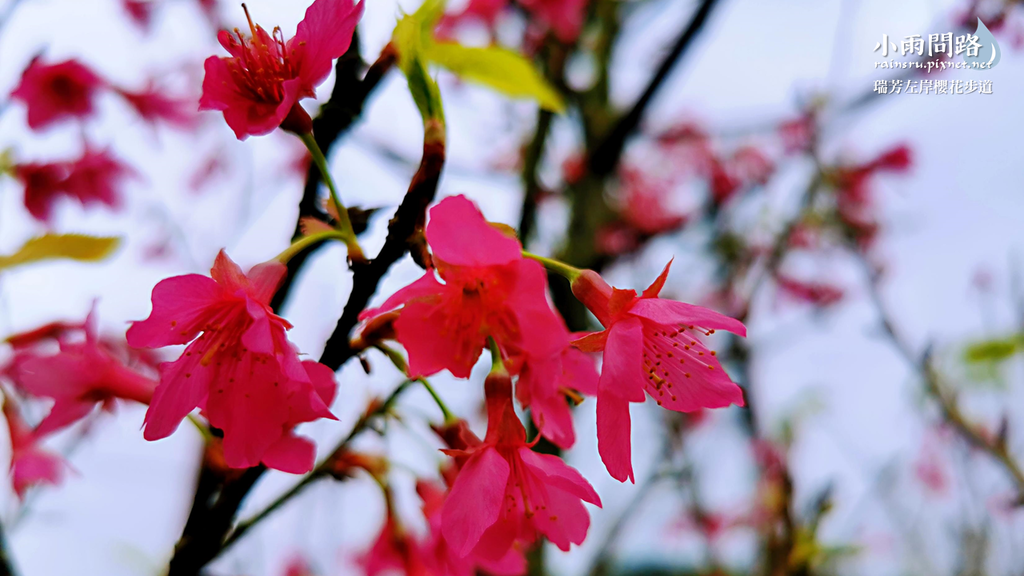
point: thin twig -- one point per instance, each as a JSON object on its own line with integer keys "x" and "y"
{"x": 320, "y": 471}
{"x": 995, "y": 445}
{"x": 604, "y": 158}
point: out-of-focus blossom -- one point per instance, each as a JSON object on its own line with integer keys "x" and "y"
{"x": 153, "y": 106}
{"x": 797, "y": 134}
{"x": 43, "y": 183}
{"x": 298, "y": 566}
{"x": 78, "y": 378}
{"x": 815, "y": 293}
{"x": 506, "y": 492}
{"x": 241, "y": 370}
{"x": 53, "y": 92}
{"x": 563, "y": 17}
{"x": 96, "y": 177}
{"x": 650, "y": 345}
{"x": 644, "y": 212}
{"x": 93, "y": 178}
{"x": 140, "y": 12}
{"x": 489, "y": 289}
{"x": 259, "y": 87}
{"x": 31, "y": 465}
{"x": 855, "y": 203}
{"x": 394, "y": 551}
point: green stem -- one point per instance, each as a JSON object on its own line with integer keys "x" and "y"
{"x": 307, "y": 241}
{"x": 561, "y": 268}
{"x": 355, "y": 252}
{"x": 401, "y": 364}
{"x": 497, "y": 363}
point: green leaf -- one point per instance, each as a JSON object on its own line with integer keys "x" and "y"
{"x": 997, "y": 350}
{"x": 55, "y": 246}
{"x": 412, "y": 33}
{"x": 506, "y": 71}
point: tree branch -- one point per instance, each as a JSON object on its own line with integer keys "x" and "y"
{"x": 335, "y": 119}
{"x": 605, "y": 157}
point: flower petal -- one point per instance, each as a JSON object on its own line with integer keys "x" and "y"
{"x": 654, "y": 289}
{"x": 183, "y": 386}
{"x": 622, "y": 372}
{"x": 593, "y": 342}
{"x": 323, "y": 35}
{"x": 475, "y": 501}
{"x": 291, "y": 454}
{"x": 560, "y": 475}
{"x": 181, "y": 306}
{"x": 265, "y": 279}
{"x": 613, "y": 436}
{"x": 459, "y": 235}
{"x": 670, "y": 312}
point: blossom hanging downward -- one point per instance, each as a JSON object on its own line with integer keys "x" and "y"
{"x": 488, "y": 289}
{"x": 259, "y": 87}
{"x": 545, "y": 382}
{"x": 241, "y": 370}
{"x": 650, "y": 345}
{"x": 506, "y": 492}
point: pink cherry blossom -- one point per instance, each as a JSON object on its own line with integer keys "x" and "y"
{"x": 31, "y": 465}
{"x": 544, "y": 382}
{"x": 488, "y": 289}
{"x": 259, "y": 86}
{"x": 78, "y": 378}
{"x": 53, "y": 92}
{"x": 153, "y": 106}
{"x": 95, "y": 177}
{"x": 506, "y": 492}
{"x": 440, "y": 559}
{"x": 394, "y": 551}
{"x": 238, "y": 366}
{"x": 650, "y": 345}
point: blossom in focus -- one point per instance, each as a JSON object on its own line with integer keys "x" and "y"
{"x": 238, "y": 366}
{"x": 31, "y": 465}
{"x": 507, "y": 493}
{"x": 545, "y": 381}
{"x": 489, "y": 289}
{"x": 53, "y": 92}
{"x": 650, "y": 345}
{"x": 80, "y": 376}
{"x": 259, "y": 86}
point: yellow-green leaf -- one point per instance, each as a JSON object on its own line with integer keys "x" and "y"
{"x": 504, "y": 70}
{"x": 54, "y": 246}
{"x": 994, "y": 350}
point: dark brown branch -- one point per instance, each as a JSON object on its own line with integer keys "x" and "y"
{"x": 403, "y": 231}
{"x": 6, "y": 564}
{"x": 335, "y": 119}
{"x": 605, "y": 157}
{"x": 217, "y": 498}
